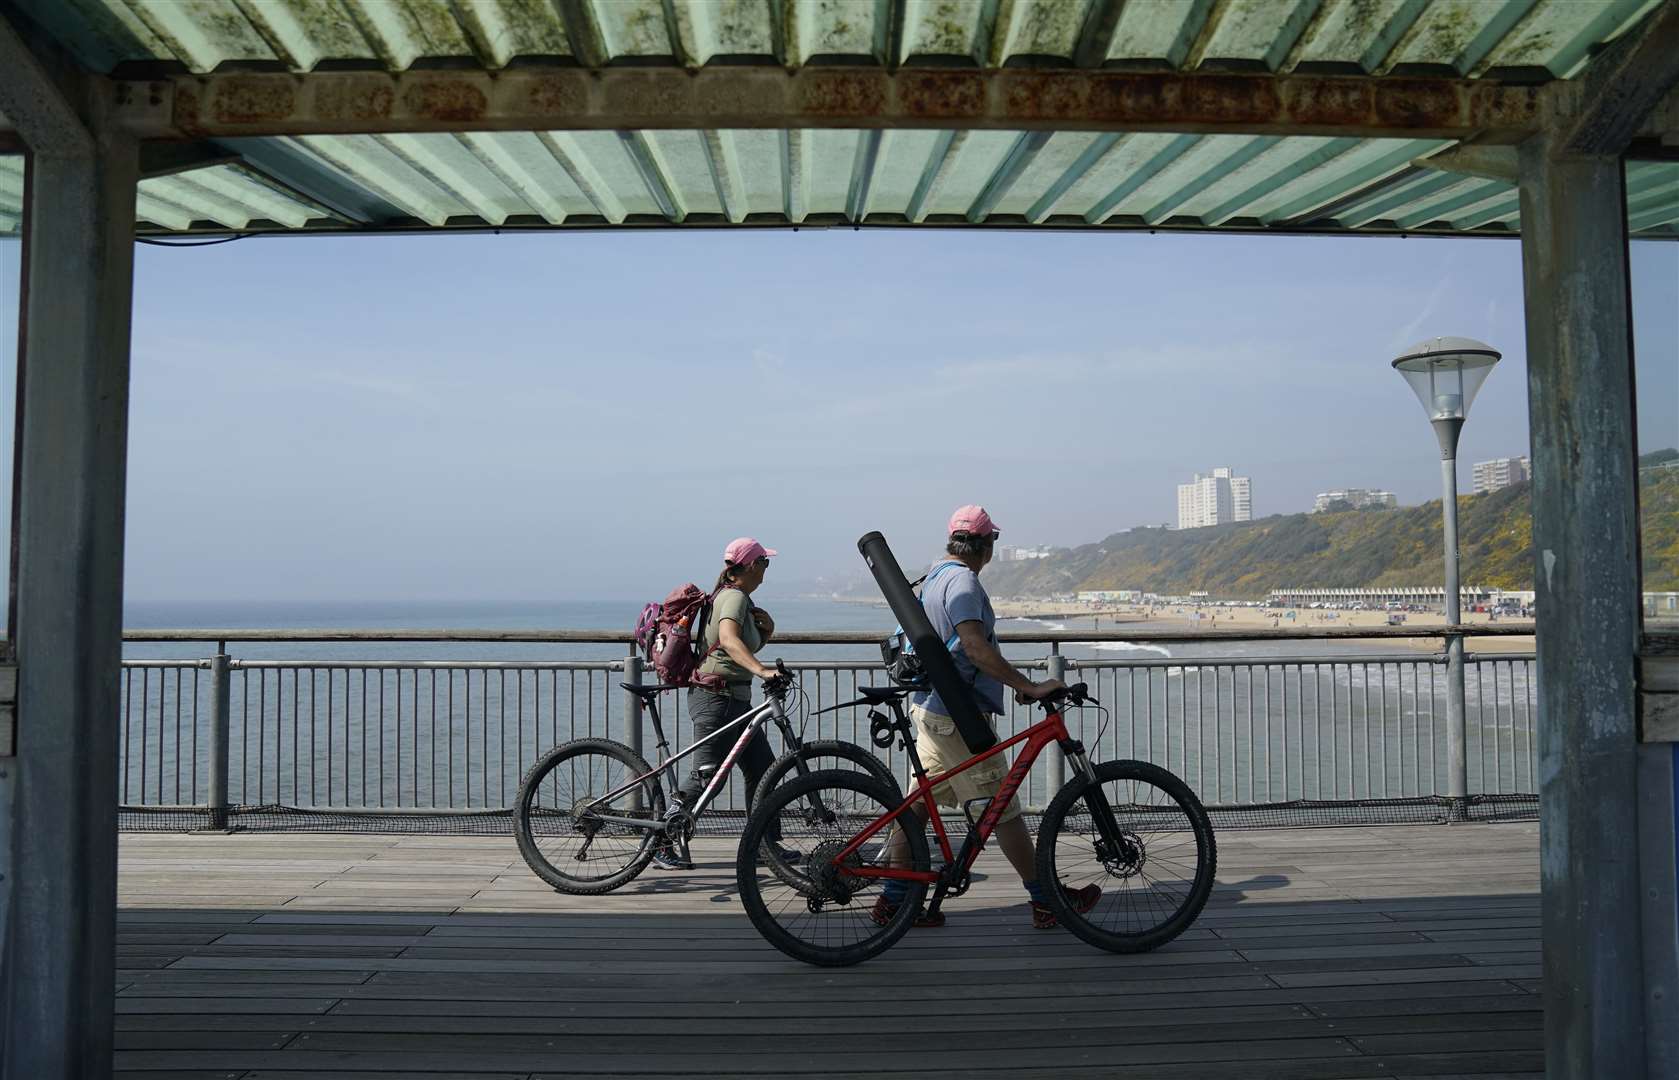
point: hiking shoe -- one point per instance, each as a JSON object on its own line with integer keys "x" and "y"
{"x": 883, "y": 911}
{"x": 1043, "y": 918}
{"x": 666, "y": 858}
{"x": 783, "y": 854}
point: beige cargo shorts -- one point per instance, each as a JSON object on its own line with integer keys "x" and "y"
{"x": 941, "y": 748}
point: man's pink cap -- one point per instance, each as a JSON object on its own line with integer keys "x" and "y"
{"x": 974, "y": 521}
{"x": 745, "y": 551}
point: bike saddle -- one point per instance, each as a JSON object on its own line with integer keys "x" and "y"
{"x": 648, "y": 693}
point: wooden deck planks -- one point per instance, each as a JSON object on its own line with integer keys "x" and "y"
{"x": 1357, "y": 952}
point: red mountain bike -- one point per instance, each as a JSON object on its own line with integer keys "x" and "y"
{"x": 1131, "y": 827}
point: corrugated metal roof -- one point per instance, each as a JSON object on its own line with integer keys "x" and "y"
{"x": 11, "y": 193}
{"x": 1533, "y": 39}
{"x": 826, "y": 176}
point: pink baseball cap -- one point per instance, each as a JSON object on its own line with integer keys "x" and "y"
{"x": 974, "y": 521}
{"x": 744, "y": 551}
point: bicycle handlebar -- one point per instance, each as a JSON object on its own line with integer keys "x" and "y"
{"x": 781, "y": 681}
{"x": 1075, "y": 695}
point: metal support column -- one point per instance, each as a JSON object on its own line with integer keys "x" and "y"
{"x": 1055, "y": 762}
{"x": 632, "y": 715}
{"x": 1457, "y": 725}
{"x": 220, "y": 723}
{"x": 71, "y": 475}
{"x": 60, "y": 952}
{"x": 1585, "y": 540}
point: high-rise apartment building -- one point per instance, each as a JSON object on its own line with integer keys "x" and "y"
{"x": 1501, "y": 473}
{"x": 1215, "y": 499}
{"x": 1357, "y": 498}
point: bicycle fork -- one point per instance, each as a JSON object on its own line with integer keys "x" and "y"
{"x": 1096, "y": 801}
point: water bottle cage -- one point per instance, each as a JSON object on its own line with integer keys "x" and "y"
{"x": 973, "y": 815}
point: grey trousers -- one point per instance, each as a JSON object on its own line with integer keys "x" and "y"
{"x": 709, "y": 712}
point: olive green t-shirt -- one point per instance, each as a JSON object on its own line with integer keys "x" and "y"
{"x": 736, "y": 605}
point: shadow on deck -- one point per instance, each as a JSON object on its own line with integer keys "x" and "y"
{"x": 1358, "y": 952}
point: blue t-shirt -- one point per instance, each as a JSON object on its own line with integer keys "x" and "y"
{"x": 955, "y": 596}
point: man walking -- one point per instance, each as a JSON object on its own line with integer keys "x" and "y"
{"x": 957, "y": 604}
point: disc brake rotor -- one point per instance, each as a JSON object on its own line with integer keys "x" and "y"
{"x": 1128, "y": 861}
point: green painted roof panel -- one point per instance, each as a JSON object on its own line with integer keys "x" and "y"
{"x": 1115, "y": 180}
{"x": 1144, "y": 180}
{"x": 1468, "y": 36}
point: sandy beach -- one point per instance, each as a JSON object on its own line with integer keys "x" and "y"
{"x": 1184, "y": 617}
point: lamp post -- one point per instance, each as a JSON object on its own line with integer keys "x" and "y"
{"x": 1445, "y": 373}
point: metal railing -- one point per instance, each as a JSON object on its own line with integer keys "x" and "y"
{"x": 449, "y": 736}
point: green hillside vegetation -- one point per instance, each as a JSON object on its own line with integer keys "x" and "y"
{"x": 1333, "y": 549}
{"x": 1658, "y": 494}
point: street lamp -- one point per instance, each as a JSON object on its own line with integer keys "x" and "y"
{"x": 1445, "y": 373}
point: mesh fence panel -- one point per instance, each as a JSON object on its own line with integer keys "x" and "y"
{"x": 1298, "y": 813}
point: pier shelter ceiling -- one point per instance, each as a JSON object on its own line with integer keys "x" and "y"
{"x": 1318, "y": 116}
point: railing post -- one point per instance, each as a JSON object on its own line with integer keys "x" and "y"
{"x": 632, "y": 715}
{"x": 1457, "y": 737}
{"x": 220, "y": 696}
{"x": 1055, "y": 762}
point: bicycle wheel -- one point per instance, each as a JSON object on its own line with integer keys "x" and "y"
{"x": 1157, "y": 881}
{"x": 812, "y": 757}
{"x": 823, "y": 754}
{"x": 556, "y": 821}
{"x": 828, "y": 918}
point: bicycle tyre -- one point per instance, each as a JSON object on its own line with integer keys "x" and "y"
{"x": 872, "y": 800}
{"x": 787, "y": 764}
{"x": 604, "y": 752}
{"x": 1182, "y": 908}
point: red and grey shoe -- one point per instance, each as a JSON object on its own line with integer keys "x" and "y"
{"x": 884, "y": 910}
{"x": 1082, "y": 900}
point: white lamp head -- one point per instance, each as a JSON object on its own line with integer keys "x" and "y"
{"x": 1446, "y": 373}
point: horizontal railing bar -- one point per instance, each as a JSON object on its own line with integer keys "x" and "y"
{"x": 201, "y": 664}
{"x": 825, "y": 637}
{"x": 835, "y": 665}
{"x": 1266, "y": 661}
{"x": 336, "y": 811}
{"x": 437, "y": 665}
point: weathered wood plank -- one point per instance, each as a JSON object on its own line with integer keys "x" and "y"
{"x": 1320, "y": 955}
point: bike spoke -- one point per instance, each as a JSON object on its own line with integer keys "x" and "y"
{"x": 1145, "y": 886}
{"x": 810, "y": 902}
{"x": 562, "y": 825}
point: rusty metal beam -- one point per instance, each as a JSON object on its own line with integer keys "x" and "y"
{"x": 1018, "y": 99}
{"x": 1625, "y": 83}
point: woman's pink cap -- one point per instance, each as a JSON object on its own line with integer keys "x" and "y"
{"x": 745, "y": 551}
{"x": 974, "y": 521}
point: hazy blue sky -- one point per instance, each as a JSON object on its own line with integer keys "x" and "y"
{"x": 594, "y": 415}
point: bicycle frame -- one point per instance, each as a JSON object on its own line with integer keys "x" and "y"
{"x": 753, "y": 721}
{"x": 1051, "y": 729}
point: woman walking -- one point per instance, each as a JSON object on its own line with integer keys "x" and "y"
{"x": 734, "y": 634}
